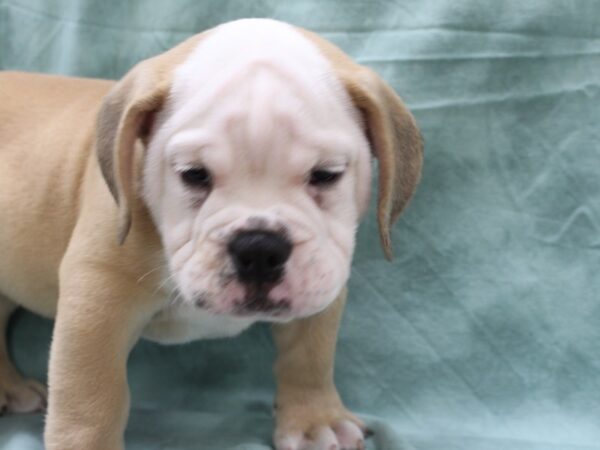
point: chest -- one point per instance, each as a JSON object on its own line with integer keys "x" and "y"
{"x": 181, "y": 323}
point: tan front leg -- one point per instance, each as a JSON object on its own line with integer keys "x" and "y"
{"x": 100, "y": 315}
{"x": 309, "y": 412}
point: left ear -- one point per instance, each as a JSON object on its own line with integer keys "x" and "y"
{"x": 392, "y": 131}
{"x": 396, "y": 142}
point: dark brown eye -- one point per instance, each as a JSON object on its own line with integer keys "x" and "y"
{"x": 196, "y": 177}
{"x": 321, "y": 177}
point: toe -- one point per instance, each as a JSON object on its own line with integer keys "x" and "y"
{"x": 325, "y": 439}
{"x": 288, "y": 441}
{"x": 349, "y": 435}
{"x": 314, "y": 427}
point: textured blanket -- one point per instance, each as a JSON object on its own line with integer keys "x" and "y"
{"x": 484, "y": 332}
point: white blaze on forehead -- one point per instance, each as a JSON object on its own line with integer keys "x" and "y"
{"x": 223, "y": 57}
{"x": 250, "y": 78}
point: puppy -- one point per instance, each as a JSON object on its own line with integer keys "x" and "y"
{"x": 216, "y": 185}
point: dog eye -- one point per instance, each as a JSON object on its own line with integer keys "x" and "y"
{"x": 196, "y": 177}
{"x": 322, "y": 177}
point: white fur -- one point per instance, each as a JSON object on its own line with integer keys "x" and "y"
{"x": 260, "y": 107}
{"x": 186, "y": 322}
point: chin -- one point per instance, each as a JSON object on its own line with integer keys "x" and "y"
{"x": 262, "y": 309}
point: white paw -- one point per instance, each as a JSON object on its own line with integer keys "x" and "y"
{"x": 341, "y": 435}
{"x": 20, "y": 396}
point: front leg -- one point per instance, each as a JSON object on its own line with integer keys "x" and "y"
{"x": 100, "y": 315}
{"x": 309, "y": 412}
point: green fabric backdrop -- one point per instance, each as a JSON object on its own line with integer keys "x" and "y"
{"x": 484, "y": 333}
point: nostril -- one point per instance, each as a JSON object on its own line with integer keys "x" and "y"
{"x": 245, "y": 262}
{"x": 273, "y": 261}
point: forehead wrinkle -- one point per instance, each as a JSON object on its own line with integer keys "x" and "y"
{"x": 259, "y": 130}
{"x": 276, "y": 79}
{"x": 186, "y": 141}
{"x": 268, "y": 127}
{"x": 191, "y": 103}
{"x": 222, "y": 59}
{"x": 271, "y": 97}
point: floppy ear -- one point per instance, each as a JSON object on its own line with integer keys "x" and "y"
{"x": 396, "y": 142}
{"x": 391, "y": 129}
{"x": 125, "y": 117}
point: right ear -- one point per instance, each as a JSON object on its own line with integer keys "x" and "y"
{"x": 126, "y": 116}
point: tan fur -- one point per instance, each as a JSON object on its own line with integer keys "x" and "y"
{"x": 306, "y": 395}
{"x": 46, "y": 136}
{"x": 60, "y": 220}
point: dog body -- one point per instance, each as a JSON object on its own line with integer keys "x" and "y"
{"x": 233, "y": 169}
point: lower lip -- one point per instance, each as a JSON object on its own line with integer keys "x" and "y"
{"x": 264, "y": 317}
{"x": 273, "y": 314}
{"x": 267, "y": 313}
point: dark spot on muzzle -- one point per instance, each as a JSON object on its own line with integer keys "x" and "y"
{"x": 257, "y": 300}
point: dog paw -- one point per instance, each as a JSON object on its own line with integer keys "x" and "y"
{"x": 21, "y": 396}
{"x": 324, "y": 429}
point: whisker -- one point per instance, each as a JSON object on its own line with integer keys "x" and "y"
{"x": 162, "y": 266}
{"x": 165, "y": 281}
{"x": 177, "y": 299}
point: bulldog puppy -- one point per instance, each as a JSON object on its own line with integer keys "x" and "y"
{"x": 214, "y": 186}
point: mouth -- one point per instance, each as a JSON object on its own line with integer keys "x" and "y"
{"x": 262, "y": 307}
{"x": 257, "y": 301}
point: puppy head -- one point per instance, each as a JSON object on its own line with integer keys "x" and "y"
{"x": 256, "y": 169}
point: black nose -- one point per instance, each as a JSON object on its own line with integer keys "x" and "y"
{"x": 259, "y": 256}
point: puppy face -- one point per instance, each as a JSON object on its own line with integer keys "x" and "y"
{"x": 256, "y": 172}
{"x": 257, "y": 139}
